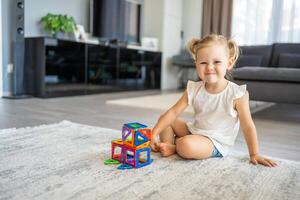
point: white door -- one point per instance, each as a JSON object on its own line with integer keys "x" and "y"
{"x": 1, "y": 62}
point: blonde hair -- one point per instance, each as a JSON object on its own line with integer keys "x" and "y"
{"x": 195, "y": 44}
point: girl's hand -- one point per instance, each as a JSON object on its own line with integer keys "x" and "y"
{"x": 257, "y": 159}
{"x": 154, "y": 144}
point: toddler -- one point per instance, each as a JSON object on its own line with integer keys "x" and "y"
{"x": 220, "y": 107}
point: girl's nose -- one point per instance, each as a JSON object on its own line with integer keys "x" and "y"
{"x": 210, "y": 65}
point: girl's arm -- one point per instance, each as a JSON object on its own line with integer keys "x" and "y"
{"x": 249, "y": 130}
{"x": 169, "y": 117}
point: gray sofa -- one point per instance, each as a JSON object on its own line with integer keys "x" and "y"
{"x": 271, "y": 72}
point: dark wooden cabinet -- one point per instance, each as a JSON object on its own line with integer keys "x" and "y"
{"x": 55, "y": 67}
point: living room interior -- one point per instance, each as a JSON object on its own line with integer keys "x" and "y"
{"x": 66, "y": 94}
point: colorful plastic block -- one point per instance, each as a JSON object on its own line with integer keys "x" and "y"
{"x": 134, "y": 156}
{"x": 111, "y": 162}
{"x": 135, "y": 125}
{"x": 141, "y": 162}
{"x": 139, "y": 138}
{"x": 115, "y": 154}
{"x": 124, "y": 166}
{"x": 135, "y": 134}
{"x": 133, "y": 149}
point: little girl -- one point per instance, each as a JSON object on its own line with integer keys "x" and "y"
{"x": 220, "y": 106}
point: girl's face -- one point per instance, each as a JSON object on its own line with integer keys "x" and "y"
{"x": 212, "y": 63}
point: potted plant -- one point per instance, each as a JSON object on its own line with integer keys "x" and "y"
{"x": 56, "y": 23}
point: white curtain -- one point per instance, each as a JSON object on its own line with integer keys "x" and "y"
{"x": 256, "y": 22}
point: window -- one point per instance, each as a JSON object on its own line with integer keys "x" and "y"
{"x": 265, "y": 21}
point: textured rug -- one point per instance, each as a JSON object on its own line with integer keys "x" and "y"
{"x": 65, "y": 161}
{"x": 165, "y": 101}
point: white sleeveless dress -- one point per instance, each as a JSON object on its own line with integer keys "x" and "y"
{"x": 214, "y": 115}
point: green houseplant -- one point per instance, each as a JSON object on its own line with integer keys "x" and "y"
{"x": 55, "y": 23}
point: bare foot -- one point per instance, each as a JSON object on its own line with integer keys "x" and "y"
{"x": 166, "y": 149}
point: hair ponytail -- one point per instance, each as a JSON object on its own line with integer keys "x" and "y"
{"x": 234, "y": 50}
{"x": 192, "y": 47}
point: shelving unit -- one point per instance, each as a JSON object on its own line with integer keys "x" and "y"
{"x": 57, "y": 67}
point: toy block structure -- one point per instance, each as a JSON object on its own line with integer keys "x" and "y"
{"x": 133, "y": 149}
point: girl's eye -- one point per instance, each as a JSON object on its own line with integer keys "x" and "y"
{"x": 218, "y": 62}
{"x": 203, "y": 63}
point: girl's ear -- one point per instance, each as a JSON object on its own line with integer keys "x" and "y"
{"x": 230, "y": 63}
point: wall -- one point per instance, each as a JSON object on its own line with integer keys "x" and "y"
{"x": 164, "y": 20}
{"x": 191, "y": 26}
{"x": 172, "y": 21}
{"x": 1, "y": 79}
{"x": 152, "y": 20}
{"x": 34, "y": 10}
{"x": 6, "y": 42}
{"x": 191, "y": 19}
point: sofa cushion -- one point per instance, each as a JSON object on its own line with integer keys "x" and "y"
{"x": 267, "y": 74}
{"x": 184, "y": 59}
{"x": 258, "y": 50}
{"x": 289, "y": 60}
{"x": 249, "y": 60}
{"x": 279, "y": 48}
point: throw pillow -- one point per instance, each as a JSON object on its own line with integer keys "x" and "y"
{"x": 289, "y": 60}
{"x": 249, "y": 60}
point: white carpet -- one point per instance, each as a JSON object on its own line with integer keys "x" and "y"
{"x": 165, "y": 101}
{"x": 65, "y": 161}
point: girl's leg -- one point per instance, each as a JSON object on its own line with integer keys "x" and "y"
{"x": 167, "y": 137}
{"x": 194, "y": 147}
